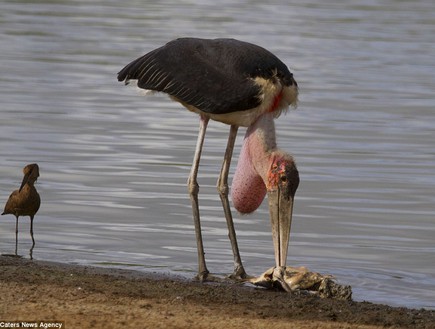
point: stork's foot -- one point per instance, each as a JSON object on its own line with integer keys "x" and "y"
{"x": 203, "y": 276}
{"x": 208, "y": 277}
{"x": 292, "y": 279}
{"x": 239, "y": 274}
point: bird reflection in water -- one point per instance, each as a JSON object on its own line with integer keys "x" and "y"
{"x": 25, "y": 202}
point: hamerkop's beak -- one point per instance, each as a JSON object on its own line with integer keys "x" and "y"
{"x": 24, "y": 182}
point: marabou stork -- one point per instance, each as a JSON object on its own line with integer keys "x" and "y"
{"x": 240, "y": 84}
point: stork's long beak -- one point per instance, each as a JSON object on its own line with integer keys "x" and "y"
{"x": 281, "y": 210}
{"x": 283, "y": 183}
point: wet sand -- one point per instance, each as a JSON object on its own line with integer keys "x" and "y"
{"x": 89, "y": 297}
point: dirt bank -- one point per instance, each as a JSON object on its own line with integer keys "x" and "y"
{"x": 87, "y": 297}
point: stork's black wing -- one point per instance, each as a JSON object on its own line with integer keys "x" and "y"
{"x": 215, "y": 76}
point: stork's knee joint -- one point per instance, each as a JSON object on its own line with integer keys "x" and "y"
{"x": 223, "y": 189}
{"x": 193, "y": 187}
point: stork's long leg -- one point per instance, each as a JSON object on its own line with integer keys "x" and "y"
{"x": 193, "y": 191}
{"x": 222, "y": 187}
{"x": 33, "y": 239}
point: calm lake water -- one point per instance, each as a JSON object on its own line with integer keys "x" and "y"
{"x": 114, "y": 163}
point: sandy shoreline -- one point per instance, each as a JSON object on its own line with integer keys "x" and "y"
{"x": 88, "y": 297}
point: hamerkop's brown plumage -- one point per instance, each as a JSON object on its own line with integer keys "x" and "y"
{"x": 25, "y": 201}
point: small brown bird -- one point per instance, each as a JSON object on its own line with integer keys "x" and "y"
{"x": 25, "y": 201}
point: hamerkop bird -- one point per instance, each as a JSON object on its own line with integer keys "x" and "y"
{"x": 25, "y": 201}
{"x": 240, "y": 84}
